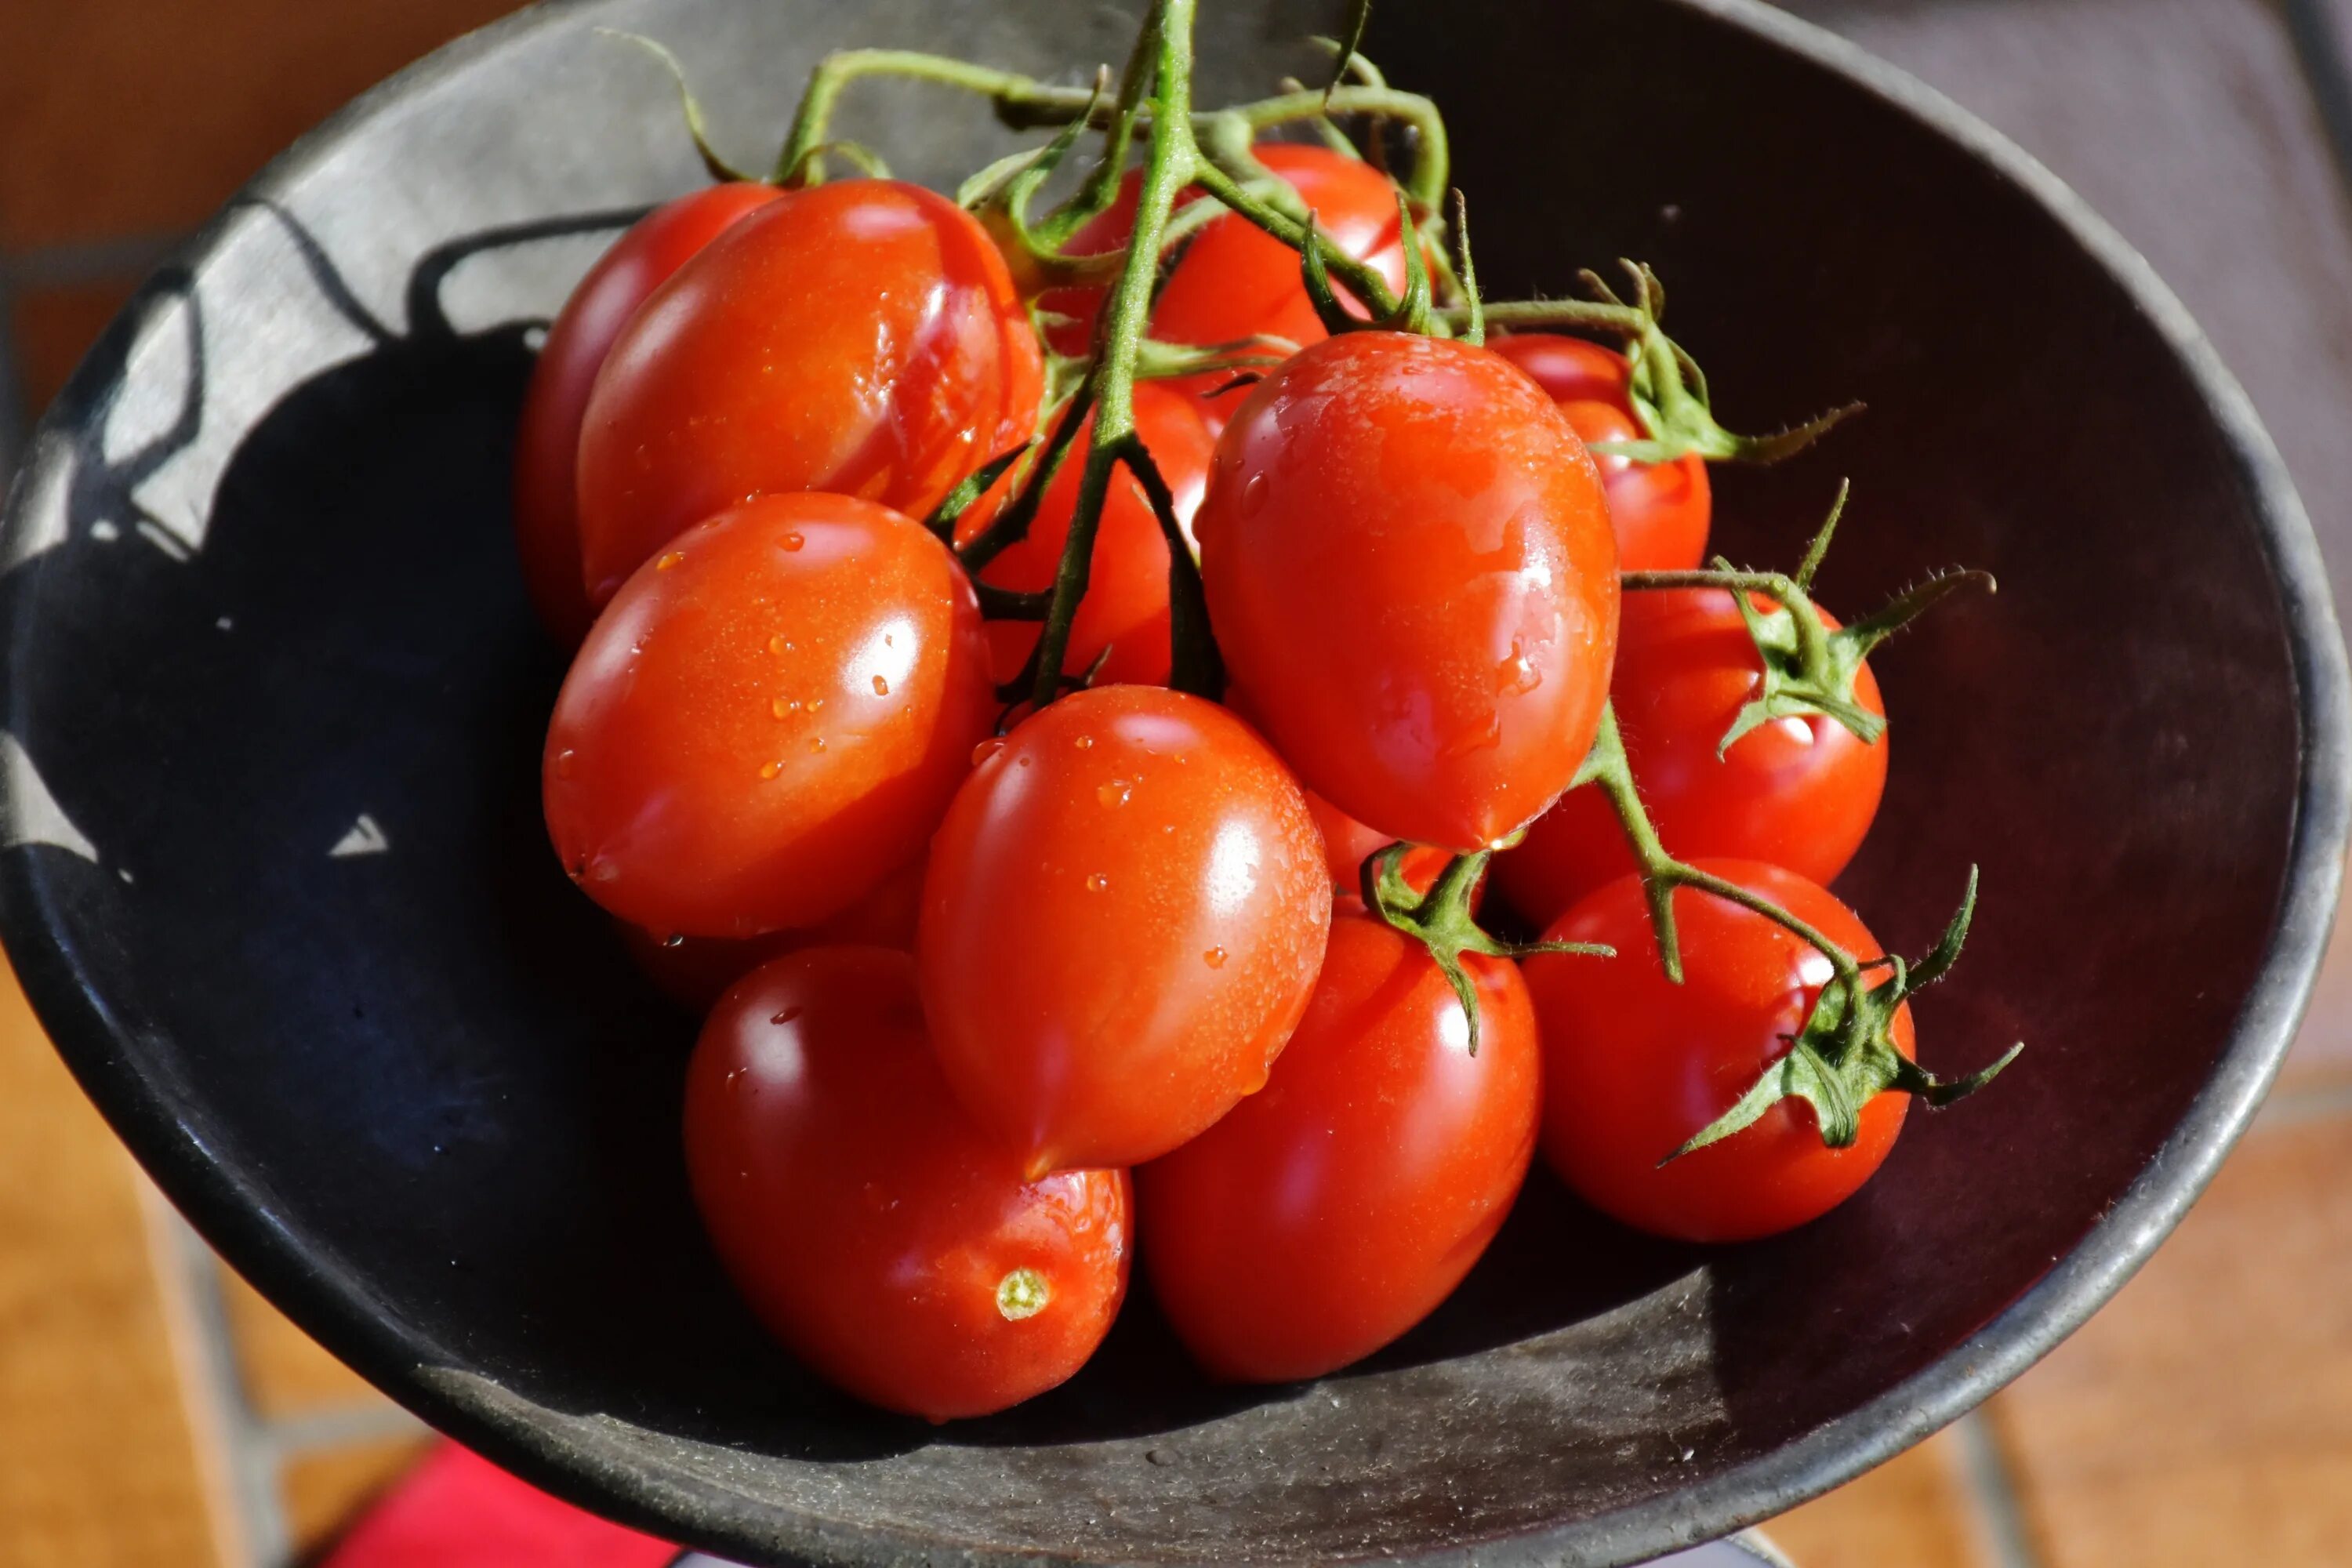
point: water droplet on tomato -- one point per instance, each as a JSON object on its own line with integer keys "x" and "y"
{"x": 1518, "y": 674}
{"x": 770, "y": 770}
{"x": 1479, "y": 740}
{"x": 733, "y": 1081}
{"x": 778, "y": 645}
{"x": 1023, "y": 761}
{"x": 793, "y": 540}
{"x": 563, "y": 764}
{"x": 815, "y": 703}
{"x": 674, "y": 939}
{"x": 987, "y": 748}
{"x": 816, "y": 742}
{"x": 1097, "y": 882}
{"x": 1084, "y": 742}
{"x": 783, "y": 709}
{"x": 1214, "y": 958}
{"x": 1253, "y": 496}
{"x": 881, "y": 687}
{"x": 1115, "y": 793}
{"x": 669, "y": 561}
{"x": 787, "y": 1016}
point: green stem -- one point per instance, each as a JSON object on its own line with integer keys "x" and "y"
{"x": 1171, "y": 159}
{"x": 1012, "y": 92}
{"x": 1362, "y": 278}
{"x": 1575, "y": 315}
{"x": 1431, "y": 157}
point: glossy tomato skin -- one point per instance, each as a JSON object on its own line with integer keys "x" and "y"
{"x": 1236, "y": 281}
{"x": 1126, "y": 606}
{"x": 1799, "y": 793}
{"x": 861, "y": 337}
{"x": 547, "y": 438}
{"x": 1634, "y": 1065}
{"x": 869, "y": 1223}
{"x": 1444, "y": 676}
{"x": 1660, "y": 511}
{"x": 768, "y": 720}
{"x": 696, "y": 971}
{"x": 1122, "y": 920}
{"x": 1333, "y": 1209}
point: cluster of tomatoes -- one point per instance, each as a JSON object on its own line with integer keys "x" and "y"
{"x": 994, "y": 993}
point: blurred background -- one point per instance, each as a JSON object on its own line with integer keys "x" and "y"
{"x": 153, "y": 1411}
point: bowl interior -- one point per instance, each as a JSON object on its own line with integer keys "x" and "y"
{"x": 277, "y": 879}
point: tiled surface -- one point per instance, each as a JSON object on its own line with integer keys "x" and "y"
{"x": 2204, "y": 1418}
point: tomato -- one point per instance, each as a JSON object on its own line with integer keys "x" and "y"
{"x": 1660, "y": 511}
{"x": 870, "y": 1226}
{"x": 1236, "y": 281}
{"x": 1797, "y": 792}
{"x": 1409, "y": 567}
{"x": 1121, "y": 922}
{"x": 1333, "y": 1209}
{"x": 1635, "y": 1066}
{"x": 861, "y": 337}
{"x": 768, "y": 720}
{"x": 1126, "y": 606}
{"x": 696, "y": 971}
{"x": 547, "y": 441}
{"x": 1348, "y": 843}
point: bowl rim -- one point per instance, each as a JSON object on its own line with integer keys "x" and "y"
{"x": 232, "y": 1212}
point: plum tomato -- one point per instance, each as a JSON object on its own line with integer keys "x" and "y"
{"x": 1126, "y": 606}
{"x": 1335, "y": 1208}
{"x": 1348, "y": 843}
{"x": 871, "y": 1228}
{"x": 547, "y": 440}
{"x": 863, "y": 337}
{"x": 695, "y": 971}
{"x": 1635, "y": 1066}
{"x": 1660, "y": 511}
{"x": 1236, "y": 281}
{"x": 1409, "y": 567}
{"x": 1122, "y": 919}
{"x": 768, "y": 720}
{"x": 1797, "y": 792}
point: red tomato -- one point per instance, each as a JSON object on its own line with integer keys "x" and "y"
{"x": 768, "y": 720}
{"x": 1635, "y": 1065}
{"x": 547, "y": 440}
{"x": 1122, "y": 920}
{"x": 1408, "y": 567}
{"x": 1333, "y": 1209}
{"x": 1660, "y": 511}
{"x": 1126, "y": 606}
{"x": 1797, "y": 791}
{"x": 1235, "y": 280}
{"x": 696, "y": 971}
{"x": 1348, "y": 843}
{"x": 861, "y": 337}
{"x": 871, "y": 1226}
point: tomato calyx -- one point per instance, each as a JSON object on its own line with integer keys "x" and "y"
{"x": 1844, "y": 1054}
{"x": 1808, "y": 666}
{"x": 1441, "y": 921}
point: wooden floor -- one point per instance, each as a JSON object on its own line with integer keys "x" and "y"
{"x": 155, "y": 1413}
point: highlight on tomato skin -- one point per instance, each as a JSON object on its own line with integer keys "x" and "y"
{"x": 1235, "y": 282}
{"x": 861, "y": 337}
{"x": 1337, "y": 1207}
{"x": 546, "y": 434}
{"x": 1122, "y": 920}
{"x": 1661, "y": 512}
{"x": 1124, "y": 610}
{"x": 1634, "y": 1065}
{"x": 696, "y": 971}
{"x": 1798, "y": 791}
{"x": 768, "y": 720}
{"x": 1408, "y": 564}
{"x": 892, "y": 1247}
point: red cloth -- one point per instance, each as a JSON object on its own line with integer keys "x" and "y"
{"x": 456, "y": 1510}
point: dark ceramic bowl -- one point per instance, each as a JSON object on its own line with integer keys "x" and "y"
{"x": 276, "y": 880}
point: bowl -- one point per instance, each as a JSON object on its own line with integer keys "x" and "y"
{"x": 276, "y": 881}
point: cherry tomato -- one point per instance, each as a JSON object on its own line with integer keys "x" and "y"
{"x": 768, "y": 720}
{"x": 869, "y": 1223}
{"x": 1660, "y": 511}
{"x": 1333, "y": 1209}
{"x": 696, "y": 971}
{"x": 1409, "y": 567}
{"x": 1635, "y": 1066}
{"x": 1797, "y": 792}
{"x": 1121, "y": 922}
{"x": 863, "y": 337}
{"x": 547, "y": 442}
{"x": 1126, "y": 606}
{"x": 1236, "y": 281}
